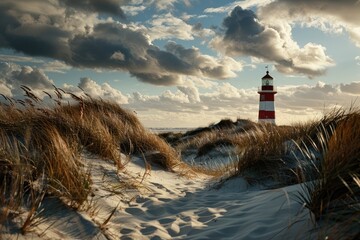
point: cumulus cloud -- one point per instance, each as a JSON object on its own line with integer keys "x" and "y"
{"x": 55, "y": 66}
{"x": 16, "y": 58}
{"x": 205, "y": 65}
{"x": 118, "y": 56}
{"x": 12, "y": 76}
{"x": 134, "y": 7}
{"x": 64, "y": 31}
{"x": 324, "y": 14}
{"x": 246, "y": 35}
{"x": 167, "y": 26}
{"x": 133, "y": 10}
{"x": 163, "y": 4}
{"x": 293, "y": 103}
{"x": 191, "y": 92}
{"x": 243, "y": 4}
{"x": 115, "y": 46}
{"x": 31, "y": 77}
{"x": 104, "y": 90}
{"x": 352, "y": 88}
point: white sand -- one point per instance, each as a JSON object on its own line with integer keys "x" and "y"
{"x": 167, "y": 206}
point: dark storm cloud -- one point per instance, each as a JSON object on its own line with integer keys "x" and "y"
{"x": 170, "y": 62}
{"x": 146, "y": 62}
{"x": 27, "y": 32}
{"x": 39, "y": 40}
{"x": 205, "y": 65}
{"x": 157, "y": 78}
{"x": 103, "y": 6}
{"x": 63, "y": 30}
{"x": 245, "y": 35}
{"x": 242, "y": 25}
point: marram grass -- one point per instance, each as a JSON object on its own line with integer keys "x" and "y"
{"x": 42, "y": 149}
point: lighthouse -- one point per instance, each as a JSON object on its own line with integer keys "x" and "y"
{"x": 267, "y": 100}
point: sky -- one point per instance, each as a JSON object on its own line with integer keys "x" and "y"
{"x": 186, "y": 63}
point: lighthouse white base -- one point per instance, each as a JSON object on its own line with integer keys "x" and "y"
{"x": 272, "y": 121}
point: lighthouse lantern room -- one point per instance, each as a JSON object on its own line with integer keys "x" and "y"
{"x": 267, "y": 100}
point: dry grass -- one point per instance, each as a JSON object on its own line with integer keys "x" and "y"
{"x": 41, "y": 152}
{"x": 260, "y": 149}
{"x": 334, "y": 197}
{"x": 41, "y": 149}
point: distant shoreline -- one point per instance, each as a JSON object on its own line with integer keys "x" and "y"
{"x": 164, "y": 130}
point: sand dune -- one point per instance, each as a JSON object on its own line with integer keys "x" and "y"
{"x": 168, "y": 206}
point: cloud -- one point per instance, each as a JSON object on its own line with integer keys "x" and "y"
{"x": 133, "y": 10}
{"x": 134, "y": 7}
{"x": 55, "y": 66}
{"x": 357, "y": 59}
{"x": 164, "y": 4}
{"x": 17, "y": 58}
{"x": 324, "y": 14}
{"x": 12, "y": 76}
{"x": 205, "y": 65}
{"x": 104, "y": 91}
{"x": 167, "y": 26}
{"x": 118, "y": 56}
{"x": 245, "y": 35}
{"x": 31, "y": 77}
{"x": 161, "y": 79}
{"x": 65, "y": 32}
{"x": 101, "y": 6}
{"x": 189, "y": 105}
{"x": 200, "y": 31}
{"x": 243, "y": 4}
{"x": 191, "y": 92}
{"x": 109, "y": 42}
{"x": 352, "y": 88}
{"x": 293, "y": 103}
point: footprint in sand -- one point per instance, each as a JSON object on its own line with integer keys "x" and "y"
{"x": 134, "y": 211}
{"x": 126, "y": 238}
{"x": 160, "y": 186}
{"x": 141, "y": 199}
{"x": 208, "y": 214}
{"x": 147, "y": 230}
{"x": 165, "y": 199}
{"x": 156, "y": 238}
{"x": 126, "y": 231}
{"x": 166, "y": 220}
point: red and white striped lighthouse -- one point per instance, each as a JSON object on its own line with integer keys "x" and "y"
{"x": 267, "y": 100}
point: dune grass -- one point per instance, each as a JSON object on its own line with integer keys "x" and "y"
{"x": 252, "y": 148}
{"x": 324, "y": 155}
{"x": 334, "y": 197}
{"x": 42, "y": 148}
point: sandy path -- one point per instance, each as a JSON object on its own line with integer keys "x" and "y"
{"x": 173, "y": 207}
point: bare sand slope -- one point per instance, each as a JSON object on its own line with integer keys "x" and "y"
{"x": 168, "y": 206}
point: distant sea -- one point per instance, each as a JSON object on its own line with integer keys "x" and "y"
{"x": 174, "y": 130}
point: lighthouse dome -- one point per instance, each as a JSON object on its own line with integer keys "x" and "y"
{"x": 267, "y": 76}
